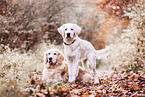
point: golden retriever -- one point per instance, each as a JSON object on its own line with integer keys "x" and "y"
{"x": 77, "y": 50}
{"x": 55, "y": 67}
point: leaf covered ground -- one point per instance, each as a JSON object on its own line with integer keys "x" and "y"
{"x": 118, "y": 83}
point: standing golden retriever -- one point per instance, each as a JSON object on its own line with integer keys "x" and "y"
{"x": 76, "y": 50}
{"x": 55, "y": 67}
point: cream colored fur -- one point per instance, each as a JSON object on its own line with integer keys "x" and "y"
{"x": 57, "y": 69}
{"x": 77, "y": 50}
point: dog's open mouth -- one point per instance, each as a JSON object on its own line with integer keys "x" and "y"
{"x": 52, "y": 65}
{"x": 69, "y": 39}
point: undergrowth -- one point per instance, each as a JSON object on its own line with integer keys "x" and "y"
{"x": 127, "y": 51}
{"x": 16, "y": 68}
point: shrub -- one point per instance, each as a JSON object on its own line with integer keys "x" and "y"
{"x": 127, "y": 51}
{"x": 23, "y": 25}
{"x": 116, "y": 7}
{"x": 106, "y": 21}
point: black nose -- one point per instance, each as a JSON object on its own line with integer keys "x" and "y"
{"x": 68, "y": 34}
{"x": 50, "y": 59}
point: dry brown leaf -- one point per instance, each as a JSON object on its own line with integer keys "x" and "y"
{"x": 85, "y": 94}
{"x": 62, "y": 88}
{"x": 40, "y": 95}
{"x": 122, "y": 90}
{"x": 76, "y": 91}
{"x": 92, "y": 92}
{"x": 11, "y": 82}
{"x": 37, "y": 91}
{"x": 99, "y": 91}
{"x": 50, "y": 89}
{"x": 100, "y": 87}
{"x": 130, "y": 83}
{"x": 136, "y": 87}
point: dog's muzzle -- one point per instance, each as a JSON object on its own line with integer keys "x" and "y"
{"x": 68, "y": 35}
{"x": 50, "y": 60}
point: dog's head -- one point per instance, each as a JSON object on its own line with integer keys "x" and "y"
{"x": 53, "y": 58}
{"x": 69, "y": 31}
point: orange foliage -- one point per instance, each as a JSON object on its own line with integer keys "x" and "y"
{"x": 116, "y": 7}
{"x": 3, "y": 7}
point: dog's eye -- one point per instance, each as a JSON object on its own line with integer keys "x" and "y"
{"x": 48, "y": 53}
{"x": 54, "y": 53}
{"x": 65, "y": 29}
{"x": 72, "y": 29}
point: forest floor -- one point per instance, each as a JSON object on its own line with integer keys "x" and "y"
{"x": 118, "y": 83}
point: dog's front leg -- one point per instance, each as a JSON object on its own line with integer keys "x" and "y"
{"x": 70, "y": 70}
{"x": 75, "y": 69}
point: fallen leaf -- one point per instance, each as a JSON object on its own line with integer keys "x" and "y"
{"x": 32, "y": 81}
{"x": 100, "y": 87}
{"x": 50, "y": 89}
{"x": 136, "y": 87}
{"x": 11, "y": 82}
{"x": 130, "y": 83}
{"x": 99, "y": 91}
{"x": 122, "y": 90}
{"x": 104, "y": 91}
{"x": 40, "y": 95}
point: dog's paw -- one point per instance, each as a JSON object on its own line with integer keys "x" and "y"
{"x": 96, "y": 80}
{"x": 72, "y": 79}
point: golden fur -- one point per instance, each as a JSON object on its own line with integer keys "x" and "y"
{"x": 56, "y": 68}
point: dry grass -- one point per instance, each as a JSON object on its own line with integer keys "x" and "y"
{"x": 16, "y": 67}
{"x": 124, "y": 52}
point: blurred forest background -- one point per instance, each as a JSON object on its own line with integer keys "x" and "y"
{"x": 28, "y": 28}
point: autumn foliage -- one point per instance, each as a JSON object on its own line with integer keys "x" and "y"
{"x": 117, "y": 83}
{"x": 23, "y": 23}
{"x": 3, "y": 7}
{"x": 27, "y": 31}
{"x": 117, "y": 7}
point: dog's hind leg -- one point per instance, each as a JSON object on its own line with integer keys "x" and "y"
{"x": 84, "y": 64}
{"x": 93, "y": 66}
{"x": 95, "y": 76}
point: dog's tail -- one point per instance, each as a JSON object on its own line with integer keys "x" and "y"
{"x": 103, "y": 53}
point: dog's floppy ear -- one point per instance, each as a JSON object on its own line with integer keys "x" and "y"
{"x": 45, "y": 57}
{"x": 60, "y": 57}
{"x": 77, "y": 29}
{"x": 61, "y": 29}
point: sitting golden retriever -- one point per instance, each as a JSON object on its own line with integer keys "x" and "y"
{"x": 55, "y": 68}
